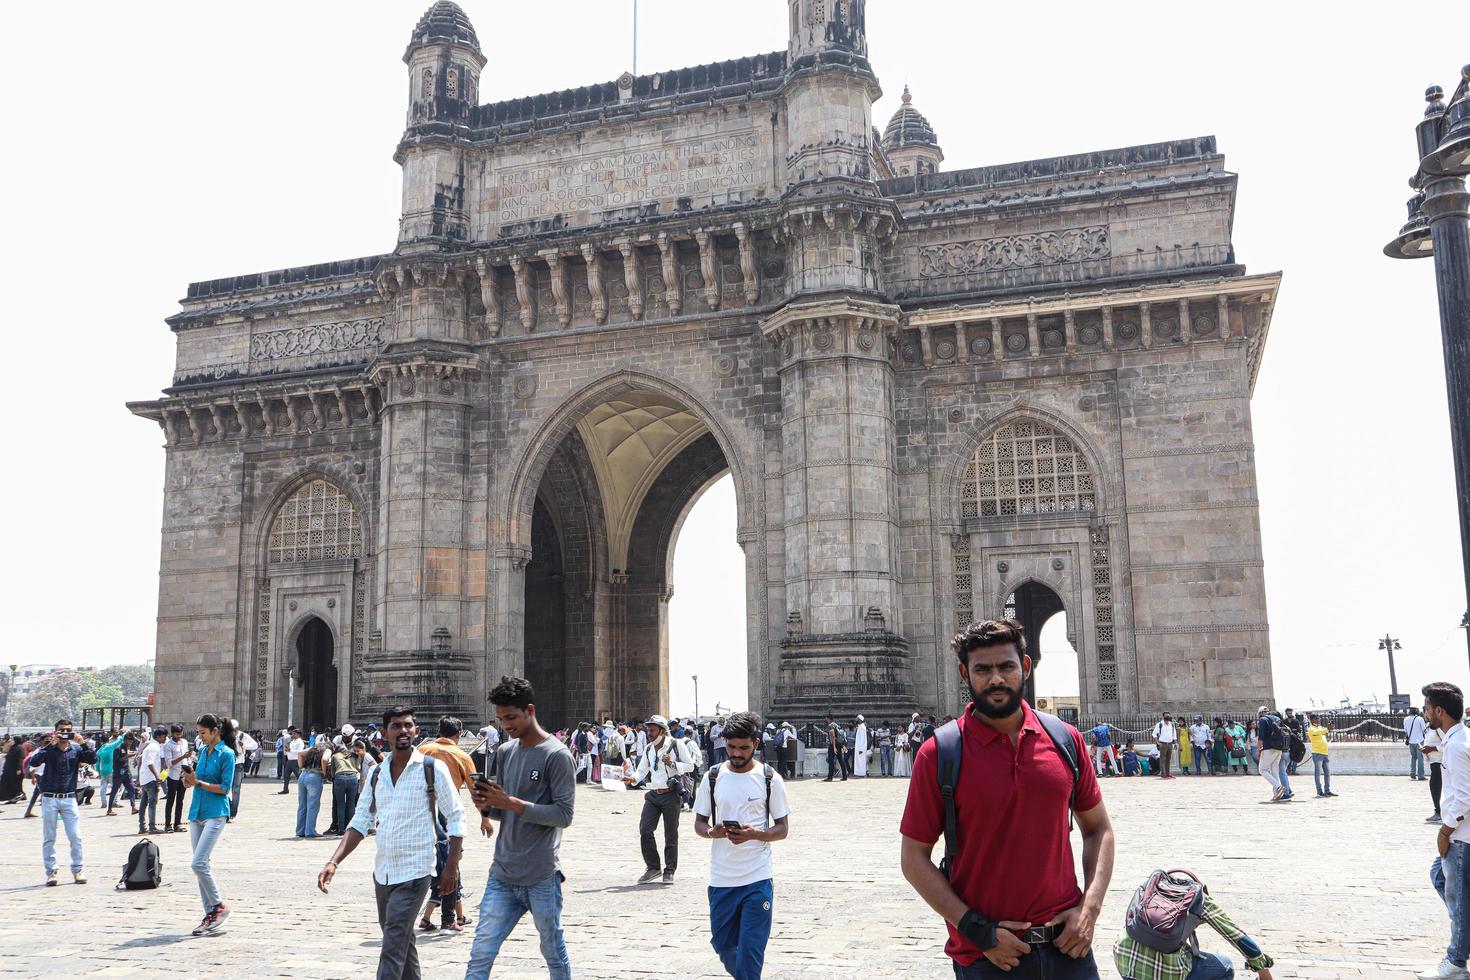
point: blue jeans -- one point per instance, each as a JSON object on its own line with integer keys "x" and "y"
{"x": 502, "y": 907}
{"x": 345, "y": 789}
{"x": 1416, "y": 762}
{"x": 1042, "y": 963}
{"x": 1285, "y": 763}
{"x": 1451, "y": 879}
{"x": 1321, "y": 775}
{"x": 740, "y": 927}
{"x": 1211, "y": 966}
{"x": 66, "y": 810}
{"x": 121, "y": 779}
{"x": 203, "y": 835}
{"x": 885, "y": 760}
{"x": 308, "y": 802}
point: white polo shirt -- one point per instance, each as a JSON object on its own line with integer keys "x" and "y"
{"x": 741, "y": 796}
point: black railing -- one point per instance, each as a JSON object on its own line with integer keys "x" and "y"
{"x": 1347, "y": 726}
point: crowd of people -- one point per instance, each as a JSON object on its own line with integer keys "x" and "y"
{"x": 1006, "y": 887}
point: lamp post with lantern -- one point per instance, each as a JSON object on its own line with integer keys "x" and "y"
{"x": 1439, "y": 227}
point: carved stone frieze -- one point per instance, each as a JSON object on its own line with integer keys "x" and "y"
{"x": 1014, "y": 252}
{"x": 320, "y": 338}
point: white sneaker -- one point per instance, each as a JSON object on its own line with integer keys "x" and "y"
{"x": 1445, "y": 971}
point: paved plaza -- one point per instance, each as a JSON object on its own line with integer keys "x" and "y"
{"x": 1329, "y": 887}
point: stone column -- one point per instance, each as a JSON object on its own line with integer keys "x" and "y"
{"x": 837, "y": 425}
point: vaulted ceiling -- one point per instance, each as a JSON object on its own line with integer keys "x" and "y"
{"x": 631, "y": 439}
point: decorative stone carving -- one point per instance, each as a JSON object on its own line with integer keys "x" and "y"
{"x": 707, "y": 268}
{"x": 944, "y": 350}
{"x": 524, "y": 386}
{"x": 1015, "y": 343}
{"x": 1014, "y": 252}
{"x": 866, "y": 340}
{"x": 669, "y": 255}
{"x": 525, "y": 294}
{"x": 980, "y": 345}
{"x": 593, "y": 258}
{"x": 748, "y": 273}
{"x": 1057, "y": 564}
{"x": 725, "y": 365}
{"x": 956, "y": 415}
{"x": 631, "y": 279}
{"x": 1002, "y": 567}
{"x": 321, "y": 338}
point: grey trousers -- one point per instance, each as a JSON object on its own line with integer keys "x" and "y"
{"x": 656, "y": 804}
{"x": 398, "y": 910}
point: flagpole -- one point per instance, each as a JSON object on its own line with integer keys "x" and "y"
{"x": 635, "y": 38}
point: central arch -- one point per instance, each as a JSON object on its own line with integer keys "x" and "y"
{"x": 615, "y": 474}
{"x": 316, "y": 669}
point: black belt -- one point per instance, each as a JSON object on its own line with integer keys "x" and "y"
{"x": 58, "y": 796}
{"x": 1041, "y": 935}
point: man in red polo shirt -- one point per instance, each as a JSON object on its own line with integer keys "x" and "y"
{"x": 1011, "y": 899}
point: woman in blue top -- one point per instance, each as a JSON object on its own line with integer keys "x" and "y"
{"x": 208, "y": 810}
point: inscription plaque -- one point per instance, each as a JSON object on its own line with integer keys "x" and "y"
{"x": 706, "y": 170}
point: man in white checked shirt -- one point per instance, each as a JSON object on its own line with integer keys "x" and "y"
{"x": 400, "y": 800}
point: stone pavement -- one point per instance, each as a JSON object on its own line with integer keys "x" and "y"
{"x": 1330, "y": 887}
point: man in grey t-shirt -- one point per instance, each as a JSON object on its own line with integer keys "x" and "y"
{"x": 532, "y": 796}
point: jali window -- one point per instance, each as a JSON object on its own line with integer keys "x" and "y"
{"x": 1027, "y": 467}
{"x": 315, "y": 522}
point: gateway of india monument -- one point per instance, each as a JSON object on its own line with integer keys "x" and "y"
{"x": 942, "y": 394}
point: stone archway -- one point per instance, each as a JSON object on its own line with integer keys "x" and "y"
{"x": 606, "y": 516}
{"x": 1032, "y": 604}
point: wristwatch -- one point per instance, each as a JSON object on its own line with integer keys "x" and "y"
{"x": 978, "y": 930}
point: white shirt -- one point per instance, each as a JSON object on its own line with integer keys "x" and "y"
{"x": 491, "y": 735}
{"x": 247, "y": 743}
{"x": 1164, "y": 732}
{"x": 175, "y": 751}
{"x": 717, "y": 736}
{"x": 741, "y": 796}
{"x": 149, "y": 761}
{"x": 405, "y": 827}
{"x": 1414, "y": 729}
{"x": 651, "y": 762}
{"x": 1454, "y": 801}
{"x": 1199, "y": 734}
{"x": 294, "y": 750}
{"x": 860, "y": 737}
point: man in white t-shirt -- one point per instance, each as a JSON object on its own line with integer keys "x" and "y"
{"x": 151, "y": 769}
{"x": 175, "y": 753}
{"x": 294, "y": 748}
{"x": 744, "y": 812}
{"x": 1166, "y": 736}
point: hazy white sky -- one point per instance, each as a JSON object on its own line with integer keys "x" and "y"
{"x": 155, "y": 144}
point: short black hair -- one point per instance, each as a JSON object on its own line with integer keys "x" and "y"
{"x": 984, "y": 633}
{"x": 743, "y": 725}
{"x": 397, "y": 711}
{"x": 1447, "y": 697}
{"x": 176, "y": 729}
{"x": 63, "y": 721}
{"x": 513, "y": 692}
{"x": 450, "y": 727}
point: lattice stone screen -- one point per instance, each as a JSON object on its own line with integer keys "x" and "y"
{"x": 1026, "y": 467}
{"x": 317, "y": 521}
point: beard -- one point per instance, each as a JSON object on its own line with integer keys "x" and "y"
{"x": 988, "y": 708}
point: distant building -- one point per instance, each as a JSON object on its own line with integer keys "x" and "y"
{"x": 27, "y": 676}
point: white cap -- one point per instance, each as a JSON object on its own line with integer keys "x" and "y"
{"x": 860, "y": 717}
{"x": 1262, "y": 710}
{"x": 658, "y": 720}
{"x": 348, "y": 731}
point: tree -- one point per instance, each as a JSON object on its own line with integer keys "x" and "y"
{"x": 63, "y": 694}
{"x": 135, "y": 681}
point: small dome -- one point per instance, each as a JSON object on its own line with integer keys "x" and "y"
{"x": 908, "y": 127}
{"x": 445, "y": 22}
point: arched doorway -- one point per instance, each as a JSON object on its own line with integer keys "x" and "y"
{"x": 1031, "y": 605}
{"x": 607, "y": 512}
{"x": 316, "y": 674}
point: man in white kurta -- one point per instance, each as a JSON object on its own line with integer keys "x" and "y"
{"x": 860, "y": 748}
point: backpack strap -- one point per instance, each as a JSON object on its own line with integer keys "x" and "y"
{"x": 948, "y": 745}
{"x": 714, "y": 773}
{"x": 768, "y": 795}
{"x": 373, "y": 794}
{"x": 1061, "y": 736}
{"x": 429, "y": 785}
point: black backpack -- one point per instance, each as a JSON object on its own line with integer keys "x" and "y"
{"x": 948, "y": 746}
{"x": 144, "y": 868}
{"x": 714, "y": 774}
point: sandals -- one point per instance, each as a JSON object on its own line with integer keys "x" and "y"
{"x": 426, "y": 926}
{"x": 461, "y": 919}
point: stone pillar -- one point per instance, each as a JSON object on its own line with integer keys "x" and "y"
{"x": 843, "y": 652}
{"x": 431, "y": 576}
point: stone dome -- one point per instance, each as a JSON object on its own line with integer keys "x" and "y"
{"x": 908, "y": 127}
{"x": 445, "y": 21}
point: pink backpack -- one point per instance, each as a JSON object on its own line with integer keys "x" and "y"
{"x": 1166, "y": 909}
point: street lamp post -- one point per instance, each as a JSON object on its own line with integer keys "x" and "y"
{"x": 696, "y": 697}
{"x": 1389, "y": 644}
{"x": 10, "y": 696}
{"x": 1439, "y": 226}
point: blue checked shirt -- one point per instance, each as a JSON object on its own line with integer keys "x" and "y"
{"x": 406, "y": 833}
